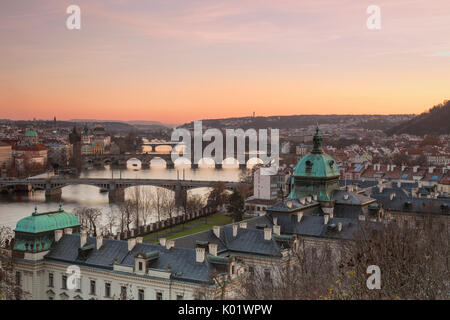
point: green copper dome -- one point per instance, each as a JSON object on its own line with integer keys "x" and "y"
{"x": 316, "y": 164}
{"x": 48, "y": 221}
{"x": 315, "y": 175}
{"x": 31, "y": 133}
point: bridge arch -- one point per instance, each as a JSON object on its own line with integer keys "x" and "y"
{"x": 182, "y": 162}
{"x": 134, "y": 162}
{"x": 158, "y": 162}
{"x": 253, "y": 162}
{"x": 206, "y": 163}
{"x": 230, "y": 163}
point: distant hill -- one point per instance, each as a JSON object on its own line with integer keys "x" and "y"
{"x": 301, "y": 121}
{"x": 435, "y": 121}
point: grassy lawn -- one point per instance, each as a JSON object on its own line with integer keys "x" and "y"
{"x": 194, "y": 226}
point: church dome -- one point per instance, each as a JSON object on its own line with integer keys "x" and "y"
{"x": 317, "y": 164}
{"x": 31, "y": 134}
{"x": 49, "y": 221}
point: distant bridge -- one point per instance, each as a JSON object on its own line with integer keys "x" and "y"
{"x": 115, "y": 187}
{"x": 146, "y": 158}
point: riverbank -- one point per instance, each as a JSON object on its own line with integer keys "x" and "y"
{"x": 191, "y": 227}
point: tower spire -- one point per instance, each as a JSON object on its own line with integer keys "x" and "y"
{"x": 317, "y": 140}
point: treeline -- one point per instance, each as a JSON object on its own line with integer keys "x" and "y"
{"x": 435, "y": 121}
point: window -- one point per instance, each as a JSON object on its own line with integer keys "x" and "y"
{"x": 141, "y": 294}
{"x": 50, "y": 280}
{"x": 18, "y": 278}
{"x": 92, "y": 287}
{"x": 107, "y": 290}
{"x": 78, "y": 284}
{"x": 64, "y": 282}
{"x": 159, "y": 296}
{"x": 140, "y": 266}
{"x": 251, "y": 270}
{"x": 179, "y": 297}
{"x": 123, "y": 293}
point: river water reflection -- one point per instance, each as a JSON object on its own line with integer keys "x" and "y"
{"x": 17, "y": 206}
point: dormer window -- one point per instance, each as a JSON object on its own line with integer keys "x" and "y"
{"x": 309, "y": 165}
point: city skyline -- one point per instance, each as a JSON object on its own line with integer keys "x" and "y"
{"x": 176, "y": 63}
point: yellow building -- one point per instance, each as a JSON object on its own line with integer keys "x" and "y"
{"x": 5, "y": 155}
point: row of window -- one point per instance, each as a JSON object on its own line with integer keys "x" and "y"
{"x": 93, "y": 288}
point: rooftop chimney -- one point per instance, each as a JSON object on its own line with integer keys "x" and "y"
{"x": 267, "y": 234}
{"x": 170, "y": 244}
{"x": 83, "y": 238}
{"x": 58, "y": 235}
{"x": 199, "y": 254}
{"x": 415, "y": 168}
{"x": 277, "y": 230}
{"x": 131, "y": 243}
{"x": 315, "y": 197}
{"x": 302, "y": 201}
{"x": 399, "y": 184}
{"x": 212, "y": 248}
{"x": 393, "y": 167}
{"x": 243, "y": 225}
{"x": 431, "y": 169}
{"x": 308, "y": 199}
{"x": 346, "y": 196}
{"x": 275, "y": 220}
{"x": 362, "y": 217}
{"x": 99, "y": 241}
{"x": 162, "y": 241}
{"x": 235, "y": 230}
{"x": 299, "y": 216}
{"x": 139, "y": 239}
{"x": 339, "y": 226}
{"x": 392, "y": 196}
{"x": 68, "y": 230}
{"x": 403, "y": 168}
{"x": 325, "y": 219}
{"x": 216, "y": 230}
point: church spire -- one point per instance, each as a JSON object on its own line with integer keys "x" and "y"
{"x": 317, "y": 140}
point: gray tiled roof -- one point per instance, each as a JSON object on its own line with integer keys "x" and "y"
{"x": 248, "y": 240}
{"x": 417, "y": 205}
{"x": 182, "y": 261}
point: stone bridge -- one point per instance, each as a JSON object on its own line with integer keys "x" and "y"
{"x": 146, "y": 158}
{"x": 115, "y": 187}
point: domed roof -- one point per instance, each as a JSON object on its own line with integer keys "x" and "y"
{"x": 31, "y": 133}
{"x": 48, "y": 221}
{"x": 316, "y": 164}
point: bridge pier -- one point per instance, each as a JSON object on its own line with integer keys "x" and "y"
{"x": 180, "y": 196}
{"x": 116, "y": 195}
{"x": 53, "y": 194}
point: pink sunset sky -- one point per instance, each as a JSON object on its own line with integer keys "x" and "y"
{"x": 177, "y": 61}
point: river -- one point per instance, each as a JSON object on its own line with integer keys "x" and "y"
{"x": 17, "y": 206}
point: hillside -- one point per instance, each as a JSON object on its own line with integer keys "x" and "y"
{"x": 301, "y": 121}
{"x": 435, "y": 121}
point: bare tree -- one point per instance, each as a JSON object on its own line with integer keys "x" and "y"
{"x": 89, "y": 219}
{"x": 10, "y": 287}
{"x": 414, "y": 263}
{"x": 305, "y": 274}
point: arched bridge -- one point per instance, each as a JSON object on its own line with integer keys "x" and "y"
{"x": 115, "y": 187}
